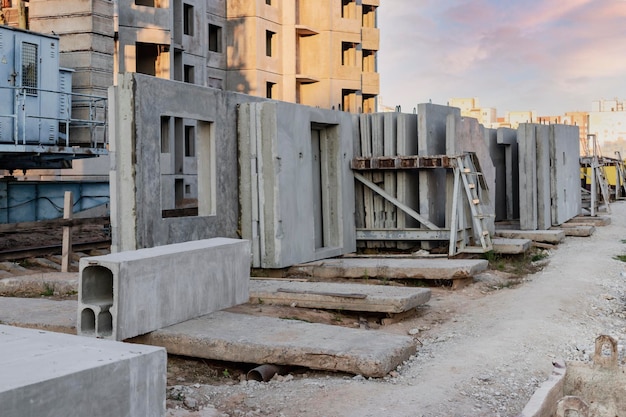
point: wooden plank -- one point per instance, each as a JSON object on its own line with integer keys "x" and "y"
{"x": 66, "y": 250}
{"x": 47, "y": 224}
{"x": 400, "y": 205}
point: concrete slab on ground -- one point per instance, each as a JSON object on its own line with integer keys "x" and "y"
{"x": 546, "y": 236}
{"x": 259, "y": 340}
{"x": 38, "y": 313}
{"x": 511, "y": 246}
{"x": 581, "y": 230}
{"x": 54, "y": 374}
{"x": 48, "y": 283}
{"x": 595, "y": 220}
{"x": 339, "y": 296}
{"x": 392, "y": 268}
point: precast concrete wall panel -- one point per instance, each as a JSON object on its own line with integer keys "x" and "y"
{"x": 53, "y": 374}
{"x": 431, "y": 137}
{"x": 526, "y": 137}
{"x": 126, "y": 294}
{"x": 408, "y": 181}
{"x": 139, "y": 104}
{"x": 544, "y": 211}
{"x": 565, "y": 177}
{"x": 297, "y": 189}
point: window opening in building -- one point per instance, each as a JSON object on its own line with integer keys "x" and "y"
{"x": 148, "y": 3}
{"x": 30, "y": 68}
{"x": 268, "y": 2}
{"x": 189, "y": 74}
{"x": 188, "y": 19}
{"x": 369, "y": 16}
{"x": 165, "y": 134}
{"x": 190, "y": 141}
{"x": 215, "y": 38}
{"x": 348, "y": 9}
{"x": 146, "y": 58}
{"x": 269, "y": 89}
{"x": 215, "y": 83}
{"x": 369, "y": 60}
{"x": 269, "y": 42}
{"x": 348, "y": 54}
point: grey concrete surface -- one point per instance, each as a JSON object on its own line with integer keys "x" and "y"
{"x": 144, "y": 169}
{"x": 596, "y": 220}
{"x": 126, "y": 294}
{"x": 545, "y": 236}
{"x": 296, "y": 187}
{"x": 580, "y": 230}
{"x": 511, "y": 246}
{"x": 51, "y": 283}
{"x": 338, "y": 296}
{"x": 53, "y": 374}
{"x": 392, "y": 268}
{"x": 251, "y": 339}
{"x": 565, "y": 182}
{"x": 56, "y": 316}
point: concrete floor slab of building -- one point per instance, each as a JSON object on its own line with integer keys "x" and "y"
{"x": 382, "y": 268}
{"x": 266, "y": 340}
{"x": 544, "y": 236}
{"x": 54, "y": 374}
{"x": 338, "y": 296}
{"x": 595, "y": 220}
{"x": 126, "y": 294}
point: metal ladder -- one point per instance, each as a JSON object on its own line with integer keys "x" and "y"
{"x": 468, "y": 173}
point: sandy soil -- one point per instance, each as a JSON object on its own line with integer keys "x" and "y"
{"x": 483, "y": 350}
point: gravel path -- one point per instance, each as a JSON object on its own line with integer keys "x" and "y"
{"x": 483, "y": 352}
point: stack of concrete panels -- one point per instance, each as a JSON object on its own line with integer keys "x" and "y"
{"x": 549, "y": 188}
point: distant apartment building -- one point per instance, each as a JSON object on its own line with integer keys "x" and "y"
{"x": 314, "y": 52}
{"x": 487, "y": 116}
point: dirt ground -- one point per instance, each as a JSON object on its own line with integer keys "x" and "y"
{"x": 482, "y": 350}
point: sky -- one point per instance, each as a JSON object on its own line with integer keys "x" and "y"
{"x": 550, "y": 56}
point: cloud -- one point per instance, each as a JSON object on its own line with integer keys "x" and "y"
{"x": 549, "y": 55}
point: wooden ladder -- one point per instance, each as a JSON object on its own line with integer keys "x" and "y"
{"x": 468, "y": 173}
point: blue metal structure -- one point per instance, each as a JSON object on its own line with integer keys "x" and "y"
{"x": 26, "y": 201}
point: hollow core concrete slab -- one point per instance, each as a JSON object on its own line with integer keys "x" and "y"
{"x": 54, "y": 374}
{"x": 251, "y": 339}
{"x": 392, "y": 268}
{"x": 339, "y": 296}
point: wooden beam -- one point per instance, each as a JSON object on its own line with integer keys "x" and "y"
{"x": 408, "y": 210}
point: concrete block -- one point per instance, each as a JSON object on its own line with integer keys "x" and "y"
{"x": 392, "y": 268}
{"x": 251, "y": 339}
{"x": 545, "y": 236}
{"x": 54, "y": 374}
{"x": 511, "y": 246}
{"x": 338, "y": 296}
{"x": 126, "y": 294}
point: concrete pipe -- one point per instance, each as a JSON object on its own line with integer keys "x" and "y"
{"x": 264, "y": 372}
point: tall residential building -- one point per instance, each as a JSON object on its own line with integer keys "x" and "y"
{"x": 314, "y": 52}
